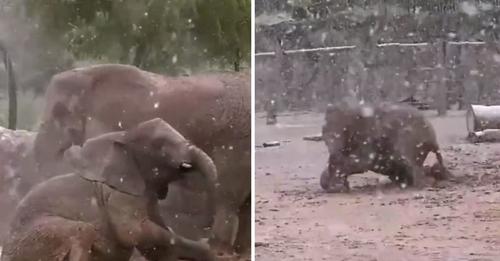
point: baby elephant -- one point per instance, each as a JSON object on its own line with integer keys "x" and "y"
{"x": 109, "y": 205}
{"x": 392, "y": 140}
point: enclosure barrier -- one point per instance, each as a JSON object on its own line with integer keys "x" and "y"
{"x": 350, "y": 47}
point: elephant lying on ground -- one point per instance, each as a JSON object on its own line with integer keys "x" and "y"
{"x": 109, "y": 205}
{"x": 393, "y": 140}
{"x": 212, "y": 110}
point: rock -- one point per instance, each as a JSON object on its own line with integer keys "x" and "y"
{"x": 261, "y": 244}
{"x": 317, "y": 137}
{"x": 271, "y": 144}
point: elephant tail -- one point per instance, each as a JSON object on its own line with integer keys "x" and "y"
{"x": 12, "y": 87}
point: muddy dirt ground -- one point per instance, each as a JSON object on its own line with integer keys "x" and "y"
{"x": 296, "y": 220}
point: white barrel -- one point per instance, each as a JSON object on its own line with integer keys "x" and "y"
{"x": 482, "y": 117}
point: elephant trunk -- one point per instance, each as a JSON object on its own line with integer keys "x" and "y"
{"x": 49, "y": 147}
{"x": 206, "y": 166}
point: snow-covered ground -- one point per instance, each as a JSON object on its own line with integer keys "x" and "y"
{"x": 296, "y": 220}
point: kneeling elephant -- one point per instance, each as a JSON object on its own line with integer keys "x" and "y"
{"x": 392, "y": 140}
{"x": 109, "y": 206}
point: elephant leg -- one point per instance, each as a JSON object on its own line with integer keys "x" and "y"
{"x": 235, "y": 186}
{"x": 244, "y": 236}
{"x": 409, "y": 157}
{"x": 52, "y": 238}
{"x": 157, "y": 242}
{"x": 225, "y": 229}
{"x": 415, "y": 175}
{"x": 398, "y": 174}
{"x": 335, "y": 183}
{"x": 324, "y": 179}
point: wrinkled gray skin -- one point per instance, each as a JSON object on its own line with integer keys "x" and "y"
{"x": 212, "y": 110}
{"x": 109, "y": 206}
{"x": 392, "y": 140}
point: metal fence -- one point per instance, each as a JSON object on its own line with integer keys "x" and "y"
{"x": 457, "y": 72}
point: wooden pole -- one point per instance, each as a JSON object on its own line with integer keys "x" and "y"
{"x": 442, "y": 93}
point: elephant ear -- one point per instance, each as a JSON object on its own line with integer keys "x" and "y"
{"x": 104, "y": 159}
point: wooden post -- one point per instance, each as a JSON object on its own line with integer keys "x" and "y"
{"x": 441, "y": 92}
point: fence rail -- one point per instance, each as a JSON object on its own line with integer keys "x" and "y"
{"x": 350, "y": 47}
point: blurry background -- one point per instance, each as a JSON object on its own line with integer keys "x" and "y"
{"x": 443, "y": 52}
{"x": 175, "y": 37}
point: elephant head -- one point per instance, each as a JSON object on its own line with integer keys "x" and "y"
{"x": 62, "y": 126}
{"x": 143, "y": 160}
{"x": 347, "y": 133}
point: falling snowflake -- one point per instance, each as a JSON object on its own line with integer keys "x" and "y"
{"x": 367, "y": 112}
{"x": 156, "y": 105}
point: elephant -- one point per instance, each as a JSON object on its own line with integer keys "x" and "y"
{"x": 389, "y": 139}
{"x": 15, "y": 158}
{"x": 108, "y": 206}
{"x": 211, "y": 110}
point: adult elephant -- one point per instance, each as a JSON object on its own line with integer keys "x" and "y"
{"x": 211, "y": 110}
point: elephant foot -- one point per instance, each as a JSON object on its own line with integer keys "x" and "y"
{"x": 333, "y": 187}
{"x": 228, "y": 257}
{"x": 222, "y": 250}
{"x": 437, "y": 171}
{"x": 338, "y": 188}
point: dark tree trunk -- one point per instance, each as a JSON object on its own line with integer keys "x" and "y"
{"x": 237, "y": 60}
{"x": 12, "y": 87}
{"x": 140, "y": 53}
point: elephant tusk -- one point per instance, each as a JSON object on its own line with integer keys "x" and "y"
{"x": 186, "y": 165}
